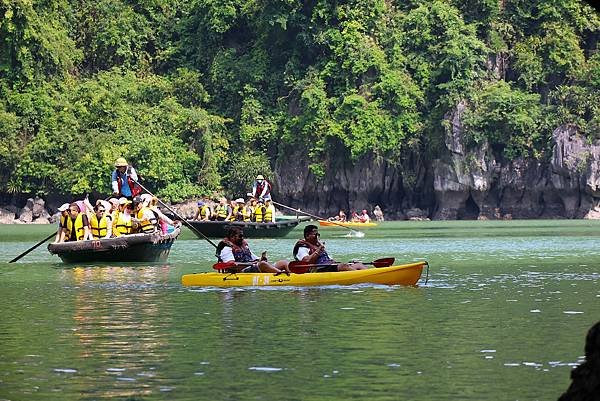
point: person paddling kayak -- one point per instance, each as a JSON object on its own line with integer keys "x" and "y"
{"x": 311, "y": 250}
{"x": 234, "y": 248}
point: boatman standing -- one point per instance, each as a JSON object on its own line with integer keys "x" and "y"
{"x": 124, "y": 179}
{"x": 261, "y": 189}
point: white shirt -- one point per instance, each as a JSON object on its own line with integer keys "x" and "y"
{"x": 226, "y": 255}
{"x": 302, "y": 253}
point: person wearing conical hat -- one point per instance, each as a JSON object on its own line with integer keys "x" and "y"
{"x": 124, "y": 179}
{"x": 261, "y": 189}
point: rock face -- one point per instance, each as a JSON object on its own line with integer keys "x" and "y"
{"x": 460, "y": 184}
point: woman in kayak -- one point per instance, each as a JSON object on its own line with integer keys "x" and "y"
{"x": 312, "y": 251}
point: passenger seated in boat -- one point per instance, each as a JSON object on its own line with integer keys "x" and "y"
{"x": 311, "y": 250}
{"x": 204, "y": 212}
{"x": 234, "y": 248}
{"x": 64, "y": 214}
{"x": 77, "y": 225}
{"x": 364, "y": 217}
{"x": 247, "y": 211}
{"x": 259, "y": 212}
{"x": 341, "y": 217}
{"x": 223, "y": 210}
{"x": 100, "y": 222}
{"x": 144, "y": 219}
{"x": 165, "y": 224}
{"x": 123, "y": 223}
{"x": 237, "y": 208}
{"x": 355, "y": 218}
{"x": 269, "y": 212}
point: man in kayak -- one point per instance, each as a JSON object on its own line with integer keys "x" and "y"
{"x": 311, "y": 250}
{"x": 234, "y": 248}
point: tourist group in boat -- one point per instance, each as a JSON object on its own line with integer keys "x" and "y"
{"x": 126, "y": 212}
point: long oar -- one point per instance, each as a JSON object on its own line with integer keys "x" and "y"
{"x": 358, "y": 234}
{"x": 184, "y": 221}
{"x": 33, "y": 247}
{"x": 300, "y": 267}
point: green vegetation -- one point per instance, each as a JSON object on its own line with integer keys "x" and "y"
{"x": 200, "y": 95}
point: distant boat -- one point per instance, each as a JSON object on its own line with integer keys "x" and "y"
{"x": 327, "y": 223}
{"x": 218, "y": 229}
{"x": 153, "y": 247}
{"x": 407, "y": 274}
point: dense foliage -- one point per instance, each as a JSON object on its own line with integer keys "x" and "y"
{"x": 200, "y": 95}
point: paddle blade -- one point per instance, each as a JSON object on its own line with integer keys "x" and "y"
{"x": 384, "y": 262}
{"x": 299, "y": 267}
{"x": 224, "y": 265}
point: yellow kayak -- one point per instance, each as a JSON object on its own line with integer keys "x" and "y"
{"x": 327, "y": 223}
{"x": 407, "y": 274}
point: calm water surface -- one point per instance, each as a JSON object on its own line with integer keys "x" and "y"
{"x": 503, "y": 317}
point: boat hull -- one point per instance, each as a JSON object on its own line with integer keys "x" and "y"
{"x": 129, "y": 248}
{"x": 218, "y": 229}
{"x": 407, "y": 274}
{"x": 326, "y": 223}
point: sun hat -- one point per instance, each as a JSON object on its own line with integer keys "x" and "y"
{"x": 239, "y": 200}
{"x": 114, "y": 201}
{"x": 63, "y": 207}
{"x": 124, "y": 201}
{"x": 260, "y": 177}
{"x": 121, "y": 162}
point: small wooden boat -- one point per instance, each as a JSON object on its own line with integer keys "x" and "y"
{"x": 407, "y": 274}
{"x": 327, "y": 223}
{"x": 218, "y": 229}
{"x": 153, "y": 247}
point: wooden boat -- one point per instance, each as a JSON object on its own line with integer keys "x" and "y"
{"x": 327, "y": 223}
{"x": 407, "y": 274}
{"x": 153, "y": 247}
{"x": 218, "y": 229}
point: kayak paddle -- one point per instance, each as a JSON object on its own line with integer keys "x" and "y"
{"x": 300, "y": 267}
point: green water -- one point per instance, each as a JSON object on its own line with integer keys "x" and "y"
{"x": 502, "y": 317}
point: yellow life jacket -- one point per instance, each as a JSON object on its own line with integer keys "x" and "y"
{"x": 99, "y": 227}
{"x": 205, "y": 212}
{"x": 147, "y": 226}
{"x": 79, "y": 229}
{"x": 122, "y": 226}
{"x": 258, "y": 214}
{"x": 221, "y": 211}
{"x": 234, "y": 212}
{"x": 247, "y": 213}
{"x": 268, "y": 217}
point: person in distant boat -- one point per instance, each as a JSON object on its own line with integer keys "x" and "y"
{"x": 258, "y": 212}
{"x": 234, "y": 248}
{"x": 165, "y": 223}
{"x": 237, "y": 207}
{"x": 64, "y": 214}
{"x": 204, "y": 212}
{"x": 223, "y": 210}
{"x": 341, "y": 217}
{"x": 311, "y": 250}
{"x": 122, "y": 223}
{"x": 364, "y": 217}
{"x": 269, "y": 216}
{"x": 378, "y": 213}
{"x": 261, "y": 189}
{"x": 77, "y": 225}
{"x": 124, "y": 179}
{"x": 247, "y": 211}
{"x": 144, "y": 219}
{"x": 355, "y": 217}
{"x": 100, "y": 222}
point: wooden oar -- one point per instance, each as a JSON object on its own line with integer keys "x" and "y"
{"x": 33, "y": 247}
{"x": 184, "y": 221}
{"x": 300, "y": 267}
{"x": 359, "y": 234}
